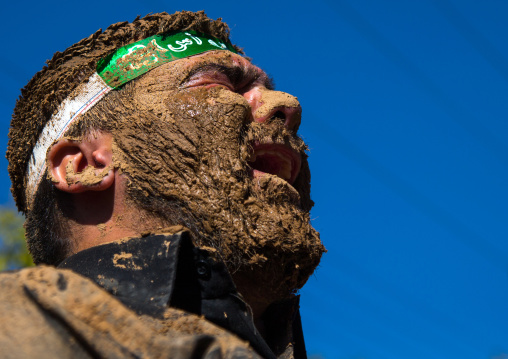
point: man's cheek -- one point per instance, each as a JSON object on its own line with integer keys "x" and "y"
{"x": 232, "y": 110}
{"x": 215, "y": 109}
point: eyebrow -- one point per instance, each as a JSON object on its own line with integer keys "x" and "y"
{"x": 237, "y": 74}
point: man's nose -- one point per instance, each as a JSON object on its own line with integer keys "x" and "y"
{"x": 267, "y": 104}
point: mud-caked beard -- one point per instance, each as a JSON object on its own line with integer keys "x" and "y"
{"x": 260, "y": 235}
{"x": 288, "y": 248}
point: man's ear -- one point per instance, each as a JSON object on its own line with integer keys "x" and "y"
{"x": 77, "y": 166}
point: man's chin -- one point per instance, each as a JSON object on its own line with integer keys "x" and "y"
{"x": 276, "y": 274}
{"x": 274, "y": 189}
{"x": 278, "y": 248}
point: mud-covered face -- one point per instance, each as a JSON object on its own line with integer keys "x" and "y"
{"x": 210, "y": 145}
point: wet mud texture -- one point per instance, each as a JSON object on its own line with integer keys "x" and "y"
{"x": 90, "y": 176}
{"x": 185, "y": 152}
{"x": 41, "y": 97}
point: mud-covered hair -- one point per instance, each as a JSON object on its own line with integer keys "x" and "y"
{"x": 43, "y": 94}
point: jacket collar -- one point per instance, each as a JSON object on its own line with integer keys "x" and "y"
{"x": 149, "y": 274}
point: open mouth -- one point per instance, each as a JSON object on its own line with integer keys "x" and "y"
{"x": 274, "y": 159}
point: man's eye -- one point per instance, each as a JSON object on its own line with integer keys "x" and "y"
{"x": 221, "y": 84}
{"x": 210, "y": 81}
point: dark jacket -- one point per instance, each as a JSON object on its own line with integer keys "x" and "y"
{"x": 151, "y": 297}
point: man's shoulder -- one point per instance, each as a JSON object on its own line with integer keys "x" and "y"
{"x": 19, "y": 285}
{"x": 46, "y": 286}
{"x": 42, "y": 274}
{"x": 59, "y": 311}
{"x": 28, "y": 329}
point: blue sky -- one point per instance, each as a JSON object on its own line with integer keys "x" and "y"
{"x": 404, "y": 109}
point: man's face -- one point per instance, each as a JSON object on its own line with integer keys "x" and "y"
{"x": 209, "y": 144}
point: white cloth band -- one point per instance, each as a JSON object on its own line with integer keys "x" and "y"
{"x": 83, "y": 98}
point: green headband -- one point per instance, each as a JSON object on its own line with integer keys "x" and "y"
{"x": 122, "y": 66}
{"x": 135, "y": 59}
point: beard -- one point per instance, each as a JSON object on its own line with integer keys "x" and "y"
{"x": 186, "y": 158}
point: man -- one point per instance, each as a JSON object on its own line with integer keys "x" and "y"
{"x": 162, "y": 175}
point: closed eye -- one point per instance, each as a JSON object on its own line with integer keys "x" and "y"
{"x": 208, "y": 80}
{"x": 234, "y": 78}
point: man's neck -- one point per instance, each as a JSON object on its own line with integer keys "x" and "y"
{"x": 107, "y": 216}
